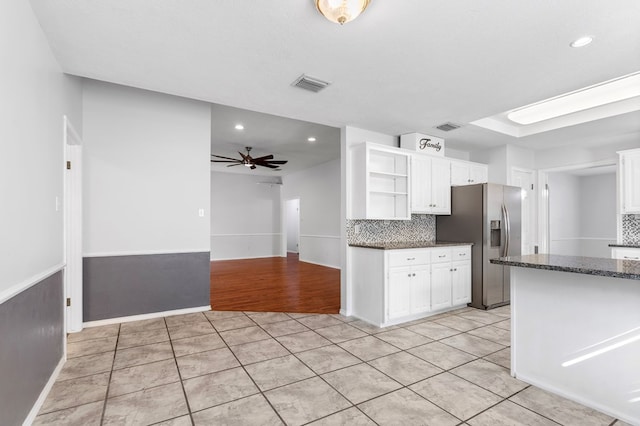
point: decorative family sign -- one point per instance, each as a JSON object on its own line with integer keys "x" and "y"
{"x": 423, "y": 143}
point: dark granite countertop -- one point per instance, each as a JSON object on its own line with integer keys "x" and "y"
{"x": 625, "y": 245}
{"x": 605, "y": 267}
{"x": 408, "y": 245}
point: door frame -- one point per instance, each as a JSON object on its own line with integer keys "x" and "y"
{"x": 543, "y": 197}
{"x": 72, "y": 234}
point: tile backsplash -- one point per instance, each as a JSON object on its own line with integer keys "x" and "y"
{"x": 421, "y": 227}
{"x": 631, "y": 229}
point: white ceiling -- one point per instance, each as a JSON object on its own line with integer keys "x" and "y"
{"x": 285, "y": 138}
{"x": 403, "y": 66}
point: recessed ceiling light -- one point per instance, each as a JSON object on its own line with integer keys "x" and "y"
{"x": 239, "y": 127}
{"x": 597, "y": 95}
{"x": 581, "y": 42}
{"x": 311, "y": 139}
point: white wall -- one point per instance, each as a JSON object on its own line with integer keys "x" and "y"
{"x": 318, "y": 189}
{"x": 564, "y": 214}
{"x": 575, "y": 155}
{"x": 146, "y": 171}
{"x": 582, "y": 214}
{"x": 598, "y": 214}
{"x": 245, "y": 217}
{"x": 35, "y": 96}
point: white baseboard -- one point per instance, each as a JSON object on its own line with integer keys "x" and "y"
{"x": 140, "y": 317}
{"x": 242, "y": 258}
{"x": 318, "y": 263}
{"x": 45, "y": 392}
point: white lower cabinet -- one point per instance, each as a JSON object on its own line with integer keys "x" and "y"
{"x": 461, "y": 282}
{"x": 394, "y": 286}
{"x": 441, "y": 288}
{"x": 399, "y": 304}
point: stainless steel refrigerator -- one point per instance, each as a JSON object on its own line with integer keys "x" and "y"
{"x": 489, "y": 216}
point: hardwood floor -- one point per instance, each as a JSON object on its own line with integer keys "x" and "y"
{"x": 274, "y": 284}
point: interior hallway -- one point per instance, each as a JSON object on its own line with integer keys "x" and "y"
{"x": 274, "y": 284}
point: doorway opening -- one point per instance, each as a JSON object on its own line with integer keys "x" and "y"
{"x": 292, "y": 225}
{"x": 578, "y": 215}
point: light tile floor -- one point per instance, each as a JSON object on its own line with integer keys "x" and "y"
{"x": 254, "y": 368}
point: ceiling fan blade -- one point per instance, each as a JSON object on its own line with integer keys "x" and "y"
{"x": 232, "y": 165}
{"x": 273, "y": 162}
{"x": 226, "y": 161}
{"x": 266, "y": 157}
{"x": 244, "y": 157}
{"x": 226, "y": 158}
{"x": 266, "y": 165}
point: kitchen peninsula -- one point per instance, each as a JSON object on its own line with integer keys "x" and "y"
{"x": 576, "y": 329}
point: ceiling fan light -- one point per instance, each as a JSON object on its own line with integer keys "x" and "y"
{"x": 341, "y": 11}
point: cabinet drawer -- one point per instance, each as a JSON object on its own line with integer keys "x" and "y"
{"x": 408, "y": 257}
{"x": 440, "y": 255}
{"x": 460, "y": 253}
{"x": 626, "y": 253}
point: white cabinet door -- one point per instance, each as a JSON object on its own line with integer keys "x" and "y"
{"x": 461, "y": 282}
{"x": 478, "y": 173}
{"x": 440, "y": 286}
{"x": 630, "y": 183}
{"x": 420, "y": 289}
{"x": 399, "y": 296}
{"x": 459, "y": 173}
{"x": 420, "y": 184}
{"x": 441, "y": 186}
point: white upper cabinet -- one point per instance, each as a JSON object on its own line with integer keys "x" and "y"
{"x": 430, "y": 185}
{"x": 468, "y": 173}
{"x": 629, "y": 181}
{"x": 380, "y": 182}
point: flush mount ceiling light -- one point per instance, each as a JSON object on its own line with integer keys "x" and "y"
{"x": 341, "y": 11}
{"x": 581, "y": 42}
{"x": 598, "y": 95}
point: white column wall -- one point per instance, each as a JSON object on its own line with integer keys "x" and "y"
{"x": 564, "y": 214}
{"x": 318, "y": 189}
{"x": 597, "y": 214}
{"x": 35, "y": 96}
{"x": 146, "y": 167}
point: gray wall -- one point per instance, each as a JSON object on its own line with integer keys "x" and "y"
{"x": 118, "y": 286}
{"x": 31, "y": 330}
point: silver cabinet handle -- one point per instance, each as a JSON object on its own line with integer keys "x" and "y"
{"x": 462, "y": 254}
{"x": 409, "y": 275}
{"x": 632, "y": 257}
{"x": 414, "y": 275}
{"x": 444, "y": 255}
{"x": 411, "y": 258}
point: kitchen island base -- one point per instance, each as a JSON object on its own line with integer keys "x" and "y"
{"x": 578, "y": 336}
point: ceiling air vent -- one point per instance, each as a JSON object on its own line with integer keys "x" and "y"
{"x": 309, "y": 83}
{"x": 447, "y": 127}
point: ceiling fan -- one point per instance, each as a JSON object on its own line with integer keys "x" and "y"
{"x": 248, "y": 161}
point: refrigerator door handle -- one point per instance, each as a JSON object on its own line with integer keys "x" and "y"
{"x": 508, "y": 229}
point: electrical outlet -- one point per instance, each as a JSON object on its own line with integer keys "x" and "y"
{"x": 356, "y": 229}
{"x": 201, "y": 212}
